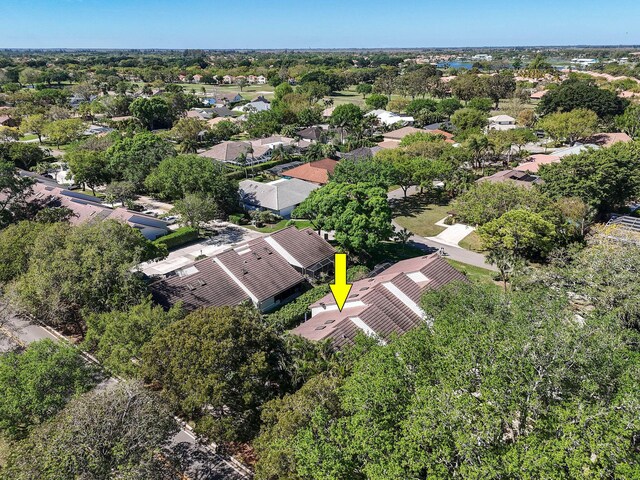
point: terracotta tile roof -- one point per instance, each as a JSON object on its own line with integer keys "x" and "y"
{"x": 535, "y": 161}
{"x": 383, "y": 305}
{"x": 400, "y": 133}
{"x": 392, "y": 139}
{"x": 316, "y": 172}
{"x": 608, "y": 139}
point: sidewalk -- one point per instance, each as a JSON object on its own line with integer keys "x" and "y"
{"x": 444, "y": 240}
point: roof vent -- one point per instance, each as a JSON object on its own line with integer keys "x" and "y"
{"x": 191, "y": 286}
{"x": 329, "y": 322}
{"x": 321, "y": 327}
{"x": 201, "y": 282}
{"x": 245, "y": 271}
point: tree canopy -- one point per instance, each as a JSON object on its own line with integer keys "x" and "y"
{"x": 358, "y": 213}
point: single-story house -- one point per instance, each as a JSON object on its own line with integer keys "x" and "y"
{"x": 533, "y": 165}
{"x": 389, "y": 118}
{"x": 8, "y": 121}
{"x": 87, "y": 208}
{"x": 392, "y": 139}
{"x": 201, "y": 113}
{"x": 381, "y": 306}
{"x": 232, "y": 152}
{"x": 268, "y": 272}
{"x": 280, "y": 196}
{"x": 312, "y": 134}
{"x": 607, "y": 139}
{"x": 523, "y": 179}
{"x": 223, "y": 99}
{"x": 254, "y": 106}
{"x": 502, "y": 122}
{"x": 361, "y": 153}
{"x": 538, "y": 95}
{"x": 314, "y": 172}
{"x": 274, "y": 141}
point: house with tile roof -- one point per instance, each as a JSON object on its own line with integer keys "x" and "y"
{"x": 7, "y": 121}
{"x": 380, "y": 306}
{"x": 280, "y": 196}
{"x": 392, "y": 139}
{"x": 518, "y": 177}
{"x": 502, "y": 122}
{"x": 315, "y": 172}
{"x": 268, "y": 272}
{"x": 87, "y": 209}
{"x": 234, "y": 152}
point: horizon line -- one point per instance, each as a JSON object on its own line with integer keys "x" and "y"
{"x": 267, "y": 49}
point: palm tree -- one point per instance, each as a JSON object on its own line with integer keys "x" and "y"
{"x": 242, "y": 160}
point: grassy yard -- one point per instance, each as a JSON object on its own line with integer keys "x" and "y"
{"x": 417, "y": 215}
{"x": 27, "y": 137}
{"x": 249, "y": 92}
{"x": 475, "y": 274}
{"x": 472, "y": 242}
{"x": 392, "y": 252}
{"x": 274, "y": 227}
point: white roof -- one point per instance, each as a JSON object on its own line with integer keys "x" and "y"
{"x": 577, "y": 148}
{"x": 276, "y": 195}
{"x": 502, "y": 118}
{"x": 389, "y": 118}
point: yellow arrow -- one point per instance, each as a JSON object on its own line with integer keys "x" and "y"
{"x": 340, "y": 288}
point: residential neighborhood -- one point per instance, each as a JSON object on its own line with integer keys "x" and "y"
{"x": 269, "y": 242}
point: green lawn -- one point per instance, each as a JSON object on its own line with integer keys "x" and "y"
{"x": 417, "y": 215}
{"x": 472, "y": 242}
{"x": 351, "y": 96}
{"x": 475, "y": 274}
{"x": 249, "y": 92}
{"x": 270, "y": 228}
{"x": 392, "y": 252}
{"x": 28, "y": 137}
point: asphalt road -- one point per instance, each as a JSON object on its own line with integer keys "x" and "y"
{"x": 430, "y": 246}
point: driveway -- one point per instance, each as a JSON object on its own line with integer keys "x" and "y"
{"x": 446, "y": 241}
{"x": 228, "y": 235}
{"x": 453, "y": 234}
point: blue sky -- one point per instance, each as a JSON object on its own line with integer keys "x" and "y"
{"x": 315, "y": 24}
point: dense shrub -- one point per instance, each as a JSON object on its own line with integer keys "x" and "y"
{"x": 179, "y": 237}
{"x": 293, "y": 313}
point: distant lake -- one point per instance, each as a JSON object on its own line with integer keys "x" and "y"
{"x": 466, "y": 65}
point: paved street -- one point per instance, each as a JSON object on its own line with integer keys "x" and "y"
{"x": 431, "y": 245}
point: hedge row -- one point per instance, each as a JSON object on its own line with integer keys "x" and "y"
{"x": 292, "y": 314}
{"x": 178, "y": 237}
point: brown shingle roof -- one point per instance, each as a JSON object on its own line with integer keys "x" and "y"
{"x": 209, "y": 287}
{"x": 304, "y": 245}
{"x": 260, "y": 269}
{"x": 253, "y": 271}
{"x": 374, "y": 302}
